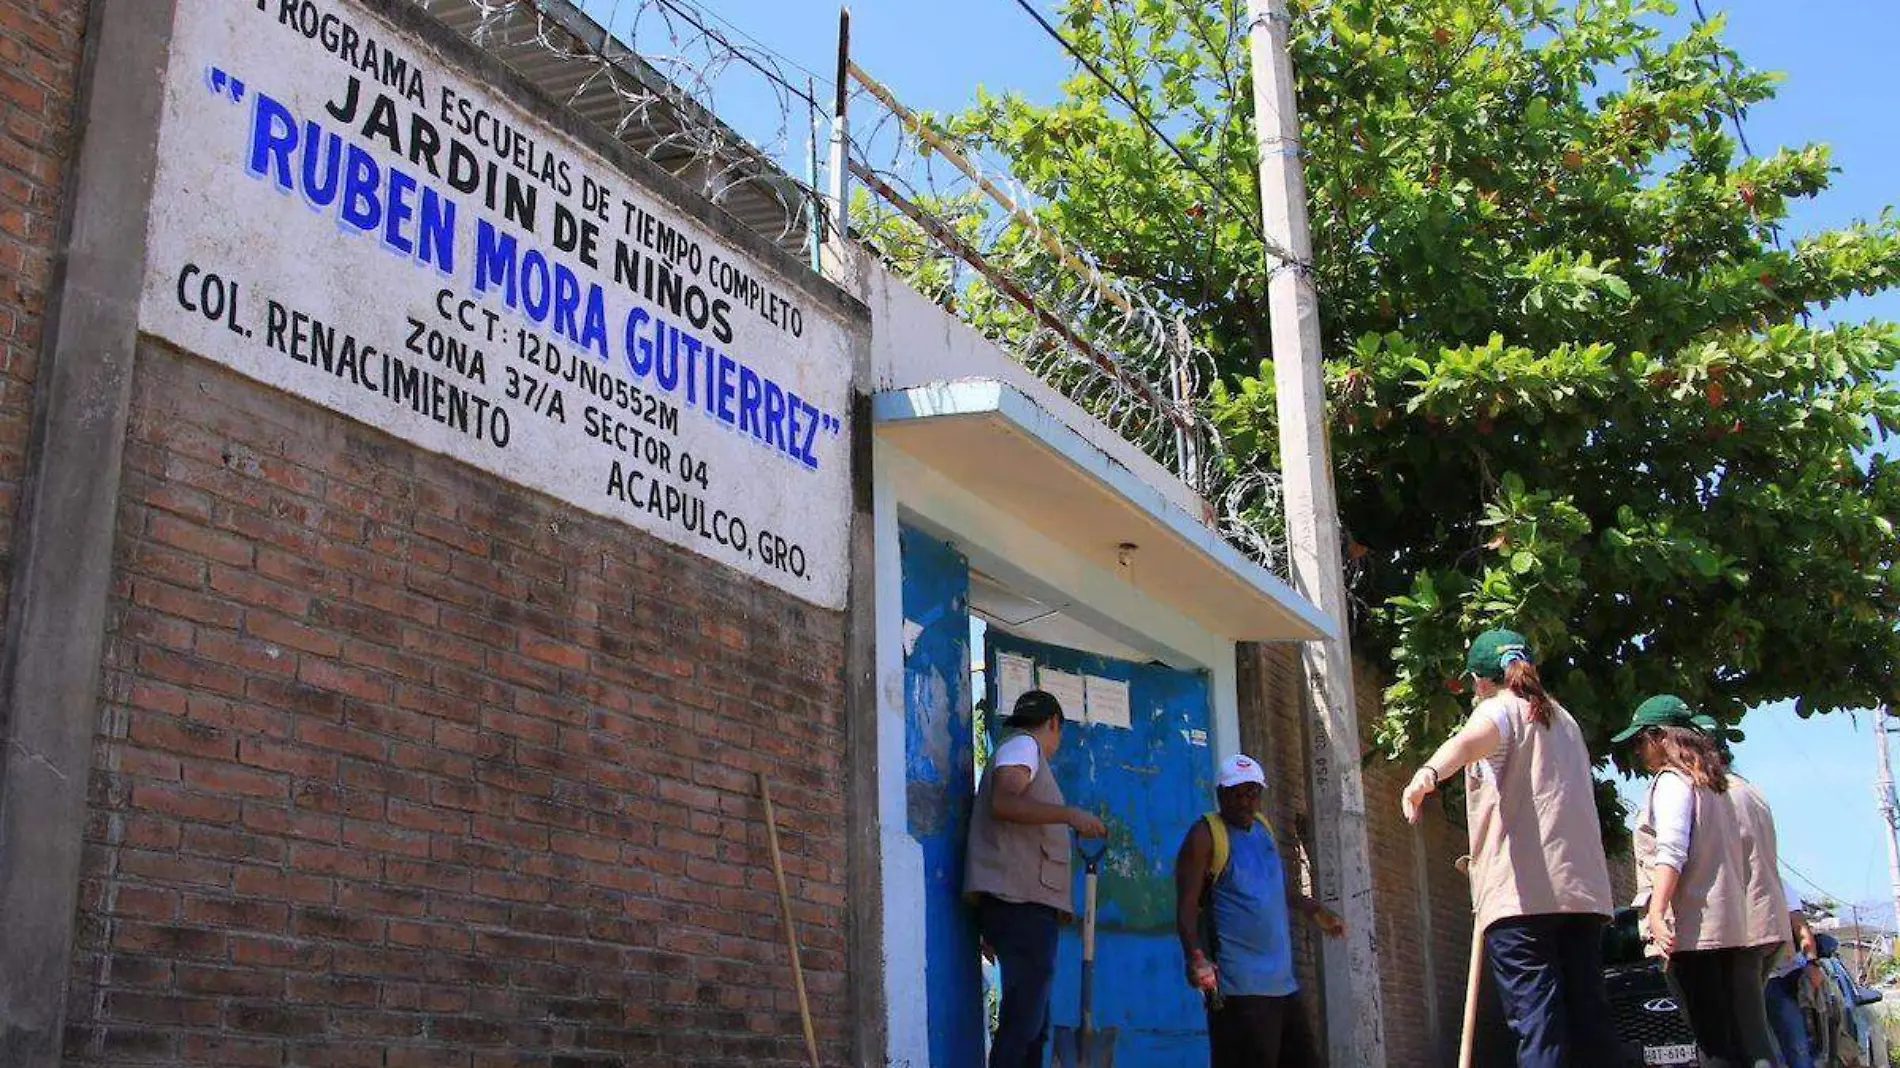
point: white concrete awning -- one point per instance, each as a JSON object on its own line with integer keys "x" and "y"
{"x": 993, "y": 441}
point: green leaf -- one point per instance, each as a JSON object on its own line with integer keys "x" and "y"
{"x": 1551, "y": 305}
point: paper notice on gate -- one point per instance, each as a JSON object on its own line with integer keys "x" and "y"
{"x": 1015, "y": 676}
{"x": 1066, "y": 688}
{"x": 1107, "y": 701}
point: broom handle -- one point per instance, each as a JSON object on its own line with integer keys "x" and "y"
{"x": 1468, "y": 1040}
{"x": 791, "y": 933}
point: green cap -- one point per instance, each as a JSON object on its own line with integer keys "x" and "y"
{"x": 1712, "y": 727}
{"x": 1663, "y": 710}
{"x": 1493, "y": 650}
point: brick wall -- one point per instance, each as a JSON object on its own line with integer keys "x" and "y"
{"x": 399, "y": 767}
{"x": 1272, "y": 728}
{"x": 1424, "y": 1005}
{"x": 40, "y": 46}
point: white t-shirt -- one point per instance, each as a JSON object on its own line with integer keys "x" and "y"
{"x": 1019, "y": 752}
{"x": 1496, "y": 710}
{"x": 1672, "y": 817}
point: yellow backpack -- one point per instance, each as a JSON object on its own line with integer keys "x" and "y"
{"x": 1224, "y": 850}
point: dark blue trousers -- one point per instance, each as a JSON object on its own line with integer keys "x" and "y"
{"x": 1549, "y": 971}
{"x": 1024, "y": 938}
{"x": 1784, "y": 1015}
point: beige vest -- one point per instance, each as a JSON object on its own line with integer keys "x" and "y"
{"x": 1019, "y": 862}
{"x": 1535, "y": 845}
{"x": 1729, "y": 894}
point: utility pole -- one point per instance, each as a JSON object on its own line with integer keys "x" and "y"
{"x": 838, "y": 195}
{"x": 1354, "y": 1019}
{"x": 1883, "y": 797}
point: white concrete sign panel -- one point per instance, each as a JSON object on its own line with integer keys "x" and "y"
{"x": 342, "y": 215}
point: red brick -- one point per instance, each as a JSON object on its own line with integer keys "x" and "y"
{"x": 334, "y": 925}
{"x": 231, "y": 844}
{"x": 247, "y": 588}
{"x": 185, "y": 603}
{"x": 236, "y": 913}
{"x": 290, "y": 823}
{"x": 201, "y": 541}
{"x": 168, "y": 939}
{"x": 172, "y": 1009}
{"x": 231, "y": 779}
{"x": 228, "y": 982}
{"x": 277, "y": 884}
{"x": 328, "y": 675}
{"x": 174, "y": 800}
{"x": 146, "y": 903}
{"x": 294, "y": 760}
{"x": 265, "y": 951}
{"x": 250, "y": 656}
{"x": 334, "y": 990}
{"x": 427, "y": 818}
{"x": 431, "y": 936}
{"x": 346, "y": 740}
{"x": 376, "y": 837}
{"x": 226, "y": 1050}
{"x": 555, "y": 651}
{"x": 189, "y": 672}
{"x": 273, "y": 628}
{"x": 146, "y": 764}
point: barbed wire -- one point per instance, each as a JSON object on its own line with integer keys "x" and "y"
{"x": 1153, "y": 392}
{"x": 736, "y": 121}
{"x": 653, "y": 74}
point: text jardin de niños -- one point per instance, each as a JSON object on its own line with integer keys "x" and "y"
{"x": 672, "y": 338}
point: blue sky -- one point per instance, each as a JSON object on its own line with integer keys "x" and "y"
{"x": 1839, "y": 89}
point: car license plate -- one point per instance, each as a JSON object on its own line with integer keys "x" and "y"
{"x": 1677, "y": 1054}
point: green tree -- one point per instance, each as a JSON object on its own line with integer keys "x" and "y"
{"x": 1575, "y": 382}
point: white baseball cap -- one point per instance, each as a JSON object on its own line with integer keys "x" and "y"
{"x": 1241, "y": 768}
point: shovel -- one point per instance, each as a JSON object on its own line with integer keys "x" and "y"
{"x": 1085, "y": 1047}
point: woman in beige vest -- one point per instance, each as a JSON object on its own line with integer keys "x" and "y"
{"x": 1717, "y": 910}
{"x": 1016, "y": 872}
{"x": 1539, "y": 881}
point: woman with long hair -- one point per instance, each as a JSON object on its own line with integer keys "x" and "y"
{"x": 1717, "y": 910}
{"x": 1539, "y": 880}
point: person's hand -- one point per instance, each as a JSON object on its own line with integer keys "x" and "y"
{"x": 1328, "y": 921}
{"x": 1086, "y": 824}
{"x": 1424, "y": 782}
{"x": 1662, "y": 933}
{"x": 1201, "y": 973}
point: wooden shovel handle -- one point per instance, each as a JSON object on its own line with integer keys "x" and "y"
{"x": 791, "y": 932}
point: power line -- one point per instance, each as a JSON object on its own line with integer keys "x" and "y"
{"x": 1219, "y": 190}
{"x": 790, "y": 61}
{"x": 1734, "y": 109}
{"x": 1816, "y": 887}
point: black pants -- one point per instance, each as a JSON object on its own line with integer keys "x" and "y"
{"x": 1024, "y": 938}
{"x": 1261, "y": 1032}
{"x": 1721, "y": 991}
{"x": 1550, "y": 974}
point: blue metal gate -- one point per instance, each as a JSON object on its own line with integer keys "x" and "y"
{"x": 939, "y": 769}
{"x": 1149, "y": 782}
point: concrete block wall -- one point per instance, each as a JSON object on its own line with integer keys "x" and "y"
{"x": 398, "y": 766}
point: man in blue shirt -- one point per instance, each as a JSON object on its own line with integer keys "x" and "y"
{"x": 1232, "y": 909}
{"x": 1784, "y": 990}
